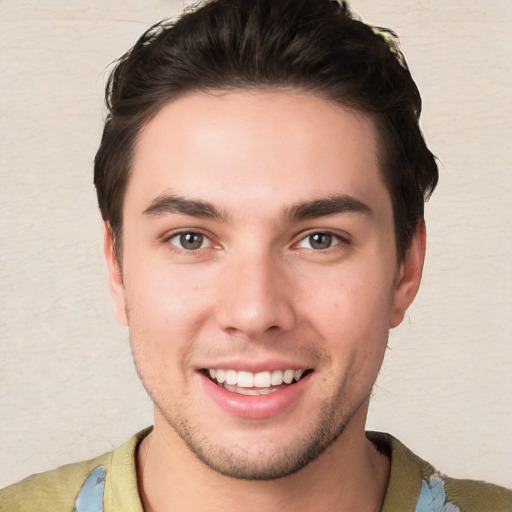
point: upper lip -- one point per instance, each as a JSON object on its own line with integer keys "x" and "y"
{"x": 253, "y": 366}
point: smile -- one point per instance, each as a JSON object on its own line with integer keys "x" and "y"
{"x": 248, "y": 383}
{"x": 255, "y": 395}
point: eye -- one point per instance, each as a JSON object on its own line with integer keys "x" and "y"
{"x": 190, "y": 241}
{"x": 319, "y": 241}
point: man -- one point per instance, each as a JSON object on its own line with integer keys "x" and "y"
{"x": 262, "y": 179}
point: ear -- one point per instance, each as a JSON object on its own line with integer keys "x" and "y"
{"x": 115, "y": 276}
{"x": 409, "y": 276}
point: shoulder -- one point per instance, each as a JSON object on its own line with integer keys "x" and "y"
{"x": 477, "y": 496}
{"x": 415, "y": 485}
{"x": 108, "y": 480}
{"x": 54, "y": 490}
{"x": 454, "y": 495}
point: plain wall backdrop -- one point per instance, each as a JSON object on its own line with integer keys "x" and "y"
{"x": 68, "y": 390}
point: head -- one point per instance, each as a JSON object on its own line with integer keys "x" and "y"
{"x": 262, "y": 177}
{"x": 316, "y": 46}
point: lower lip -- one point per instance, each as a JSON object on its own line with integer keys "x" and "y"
{"x": 255, "y": 406}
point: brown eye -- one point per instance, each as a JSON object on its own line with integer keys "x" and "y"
{"x": 189, "y": 241}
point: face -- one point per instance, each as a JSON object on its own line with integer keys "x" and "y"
{"x": 259, "y": 275}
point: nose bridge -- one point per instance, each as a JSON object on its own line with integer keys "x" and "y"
{"x": 256, "y": 297}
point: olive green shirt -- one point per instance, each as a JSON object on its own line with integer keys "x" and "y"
{"x": 108, "y": 483}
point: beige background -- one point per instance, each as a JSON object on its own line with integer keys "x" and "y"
{"x": 68, "y": 390}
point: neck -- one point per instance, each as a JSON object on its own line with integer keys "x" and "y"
{"x": 349, "y": 475}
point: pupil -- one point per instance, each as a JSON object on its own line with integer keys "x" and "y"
{"x": 320, "y": 241}
{"x": 191, "y": 240}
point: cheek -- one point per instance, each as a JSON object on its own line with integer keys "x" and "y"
{"x": 155, "y": 285}
{"x": 166, "y": 308}
{"x": 351, "y": 315}
{"x": 169, "y": 308}
{"x": 349, "y": 301}
{"x": 163, "y": 324}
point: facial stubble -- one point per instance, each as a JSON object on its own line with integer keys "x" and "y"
{"x": 236, "y": 462}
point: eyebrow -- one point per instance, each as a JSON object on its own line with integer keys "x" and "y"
{"x": 166, "y": 204}
{"x": 331, "y": 205}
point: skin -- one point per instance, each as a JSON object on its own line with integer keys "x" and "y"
{"x": 256, "y": 292}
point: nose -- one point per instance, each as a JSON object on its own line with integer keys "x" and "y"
{"x": 256, "y": 296}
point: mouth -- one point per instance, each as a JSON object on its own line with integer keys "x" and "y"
{"x": 248, "y": 383}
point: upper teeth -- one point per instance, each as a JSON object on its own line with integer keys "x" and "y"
{"x": 256, "y": 380}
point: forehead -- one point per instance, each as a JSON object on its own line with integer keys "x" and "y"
{"x": 247, "y": 147}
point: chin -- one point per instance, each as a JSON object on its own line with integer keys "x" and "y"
{"x": 245, "y": 460}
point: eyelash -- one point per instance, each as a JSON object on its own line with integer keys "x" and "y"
{"x": 337, "y": 241}
{"x": 334, "y": 240}
{"x": 178, "y": 245}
